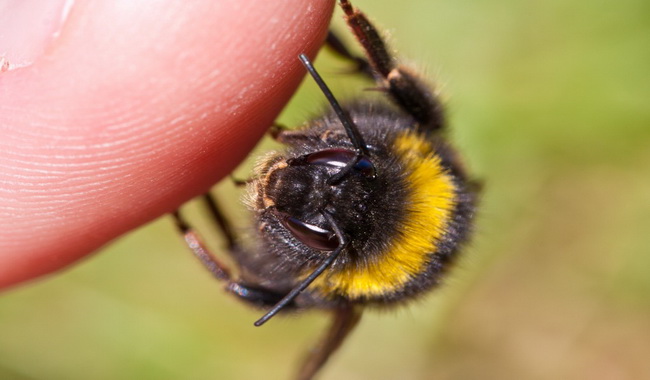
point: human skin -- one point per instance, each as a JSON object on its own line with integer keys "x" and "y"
{"x": 125, "y": 110}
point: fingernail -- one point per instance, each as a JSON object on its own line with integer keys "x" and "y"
{"x": 27, "y": 27}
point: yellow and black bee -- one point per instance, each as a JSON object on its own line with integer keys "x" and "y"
{"x": 367, "y": 206}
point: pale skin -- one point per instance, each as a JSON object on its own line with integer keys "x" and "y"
{"x": 131, "y": 111}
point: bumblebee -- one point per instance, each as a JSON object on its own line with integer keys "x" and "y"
{"x": 367, "y": 206}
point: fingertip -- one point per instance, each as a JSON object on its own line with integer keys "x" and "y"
{"x": 135, "y": 110}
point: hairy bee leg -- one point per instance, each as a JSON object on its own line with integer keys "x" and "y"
{"x": 221, "y": 221}
{"x": 344, "y": 321}
{"x": 298, "y": 136}
{"x": 288, "y": 136}
{"x": 193, "y": 240}
{"x": 338, "y": 46}
{"x": 276, "y": 130}
{"x": 257, "y": 296}
{"x": 405, "y": 87}
{"x": 240, "y": 182}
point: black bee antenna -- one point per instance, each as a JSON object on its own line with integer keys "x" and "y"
{"x": 306, "y": 282}
{"x": 350, "y": 128}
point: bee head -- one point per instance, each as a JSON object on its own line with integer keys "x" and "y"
{"x": 300, "y": 190}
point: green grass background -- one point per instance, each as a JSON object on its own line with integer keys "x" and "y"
{"x": 550, "y": 103}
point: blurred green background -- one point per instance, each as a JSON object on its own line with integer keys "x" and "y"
{"x": 549, "y": 101}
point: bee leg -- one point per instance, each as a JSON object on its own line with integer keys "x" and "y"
{"x": 288, "y": 136}
{"x": 285, "y": 135}
{"x": 276, "y": 130}
{"x": 218, "y": 269}
{"x": 338, "y": 46}
{"x": 405, "y": 87}
{"x": 299, "y": 136}
{"x": 345, "y": 318}
{"x": 240, "y": 182}
{"x": 222, "y": 222}
{"x": 257, "y": 296}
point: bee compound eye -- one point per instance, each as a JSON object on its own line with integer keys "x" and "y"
{"x": 309, "y": 234}
{"x": 340, "y": 158}
{"x": 331, "y": 157}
